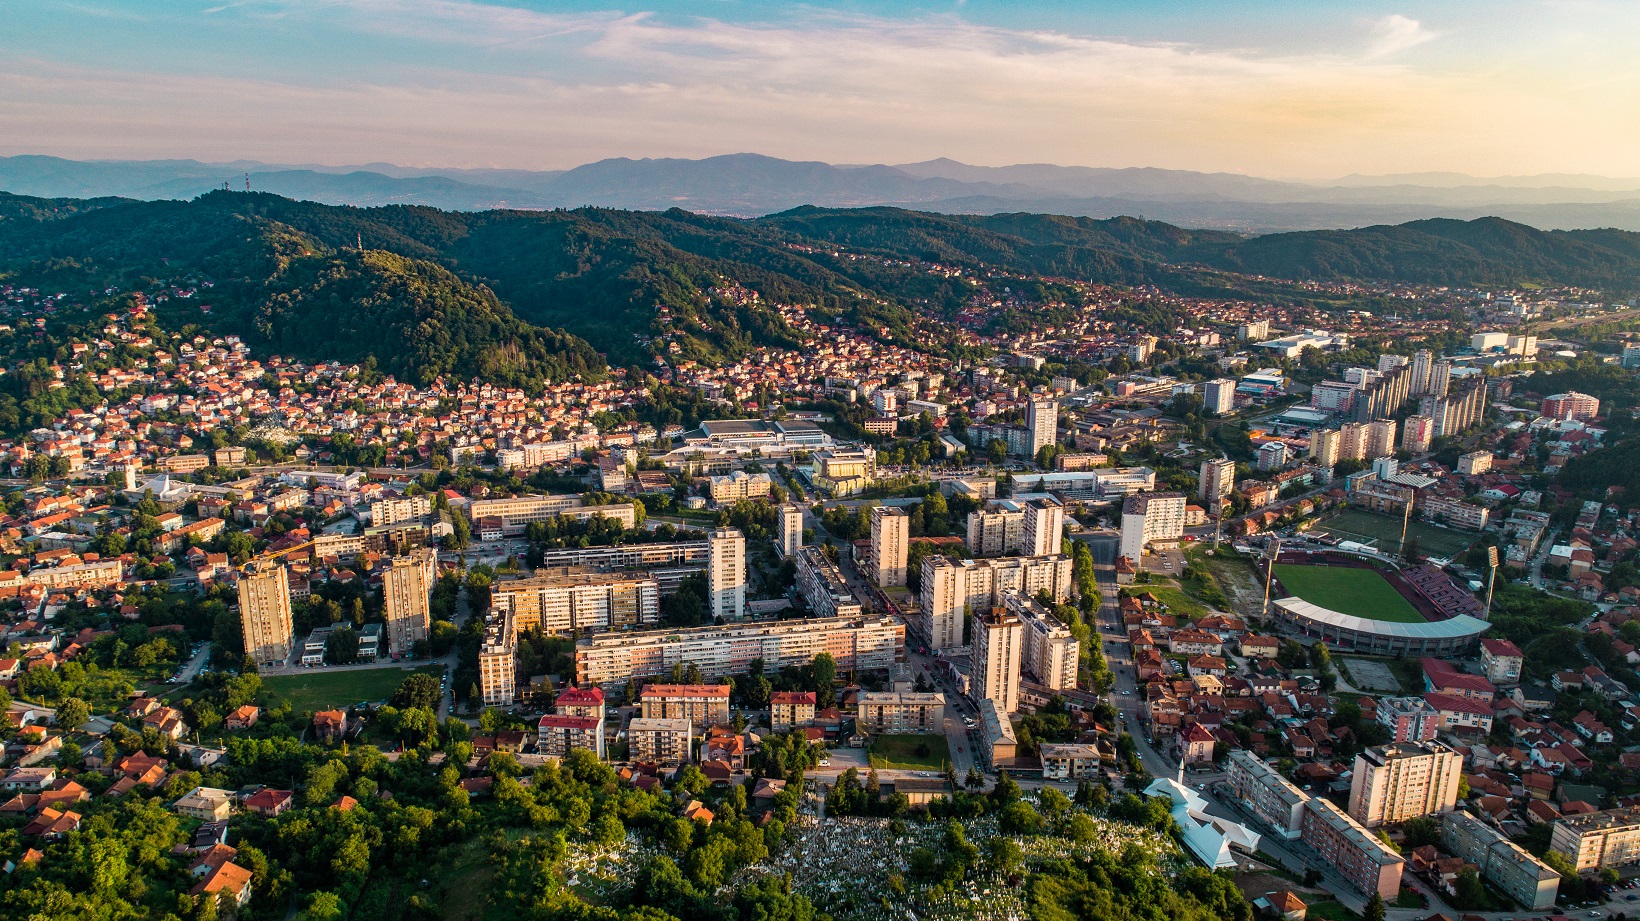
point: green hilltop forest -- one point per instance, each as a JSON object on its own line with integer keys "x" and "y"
{"x": 527, "y": 297}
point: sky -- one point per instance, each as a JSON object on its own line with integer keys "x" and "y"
{"x": 1278, "y": 88}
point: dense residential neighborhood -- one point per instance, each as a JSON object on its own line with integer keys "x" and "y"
{"x": 1334, "y": 609}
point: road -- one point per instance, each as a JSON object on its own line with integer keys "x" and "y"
{"x": 195, "y": 665}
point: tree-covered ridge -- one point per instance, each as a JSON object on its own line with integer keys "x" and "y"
{"x": 416, "y": 318}
{"x": 480, "y": 294}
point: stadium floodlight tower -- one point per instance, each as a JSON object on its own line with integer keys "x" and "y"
{"x": 1272, "y": 552}
{"x": 1491, "y": 576}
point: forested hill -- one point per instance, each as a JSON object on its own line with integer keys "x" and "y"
{"x": 529, "y": 296}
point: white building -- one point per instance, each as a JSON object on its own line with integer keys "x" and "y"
{"x": 1044, "y": 528}
{"x": 726, "y": 573}
{"x": 1042, "y": 420}
{"x": 1151, "y": 519}
{"x": 791, "y": 529}
{"x": 890, "y": 545}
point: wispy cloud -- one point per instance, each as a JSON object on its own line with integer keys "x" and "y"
{"x": 1396, "y": 33}
{"x": 479, "y": 83}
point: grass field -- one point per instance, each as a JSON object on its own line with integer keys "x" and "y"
{"x": 323, "y": 690}
{"x": 1384, "y": 532}
{"x": 910, "y": 753}
{"x": 1358, "y": 592}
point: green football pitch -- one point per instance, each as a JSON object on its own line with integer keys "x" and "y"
{"x": 1357, "y": 592}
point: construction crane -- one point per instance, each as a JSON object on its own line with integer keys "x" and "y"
{"x": 265, "y": 556}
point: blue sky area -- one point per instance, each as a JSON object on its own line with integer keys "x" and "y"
{"x": 1289, "y": 89}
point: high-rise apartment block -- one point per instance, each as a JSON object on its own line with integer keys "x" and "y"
{"x": 264, "y": 612}
{"x": 1044, "y": 527}
{"x": 407, "y": 590}
{"x": 1395, "y": 782}
{"x": 498, "y": 662}
{"x": 1051, "y": 652}
{"x": 998, "y": 648}
{"x": 1151, "y": 519}
{"x": 1219, "y": 396}
{"x": 726, "y": 573}
{"x": 1423, "y": 361}
{"x": 1325, "y": 446}
{"x": 1042, "y": 423}
{"x": 1217, "y": 483}
{"x": 1417, "y": 434}
{"x": 890, "y": 545}
{"x": 952, "y": 589}
{"x": 791, "y": 529}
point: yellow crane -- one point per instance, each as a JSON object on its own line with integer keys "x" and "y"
{"x": 275, "y": 555}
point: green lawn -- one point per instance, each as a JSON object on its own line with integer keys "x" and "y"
{"x": 1359, "y": 592}
{"x": 1384, "y": 531}
{"x": 910, "y": 752}
{"x": 1170, "y": 594}
{"x": 317, "y": 689}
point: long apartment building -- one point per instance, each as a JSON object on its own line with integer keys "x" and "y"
{"x": 1051, "y": 654}
{"x": 1358, "y": 855}
{"x": 822, "y": 585}
{"x": 1502, "y": 862}
{"x": 895, "y": 712}
{"x": 1458, "y": 411}
{"x": 565, "y": 603}
{"x": 407, "y": 590}
{"x": 516, "y": 513}
{"x": 952, "y": 589}
{"x": 856, "y": 643}
{"x": 668, "y": 563}
{"x": 701, "y": 704}
{"x": 1265, "y": 793}
{"x": 265, "y": 615}
{"x": 1402, "y": 780}
{"x": 1598, "y": 840}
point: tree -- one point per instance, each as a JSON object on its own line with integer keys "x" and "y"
{"x": 825, "y": 680}
{"x": 341, "y": 646}
{"x": 72, "y": 713}
{"x": 419, "y": 690}
{"x": 1374, "y": 909}
{"x": 975, "y": 780}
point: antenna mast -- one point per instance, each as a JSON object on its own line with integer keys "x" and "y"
{"x": 247, "y": 182}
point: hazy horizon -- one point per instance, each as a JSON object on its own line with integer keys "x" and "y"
{"x": 1272, "y": 88}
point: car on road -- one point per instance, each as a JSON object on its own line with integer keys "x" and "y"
{"x": 825, "y": 762}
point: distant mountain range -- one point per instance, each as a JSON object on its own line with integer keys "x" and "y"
{"x": 751, "y": 185}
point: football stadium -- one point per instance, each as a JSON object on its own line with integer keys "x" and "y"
{"x": 1356, "y": 605}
